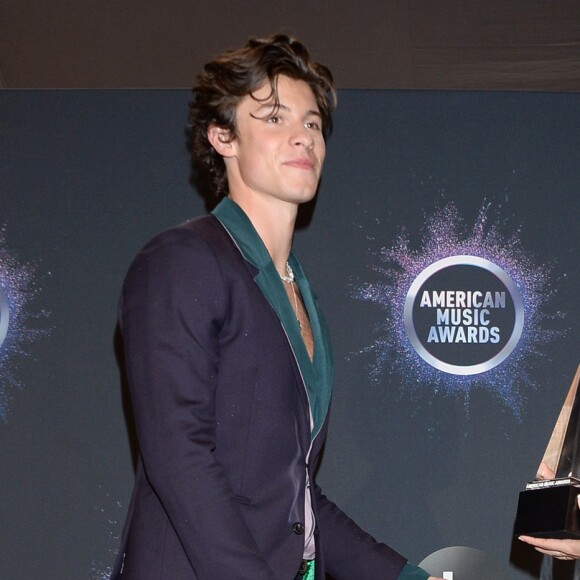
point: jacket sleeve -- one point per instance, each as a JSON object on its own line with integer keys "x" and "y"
{"x": 350, "y": 552}
{"x": 172, "y": 308}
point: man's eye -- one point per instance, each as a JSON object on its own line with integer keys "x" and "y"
{"x": 274, "y": 120}
{"x": 313, "y": 125}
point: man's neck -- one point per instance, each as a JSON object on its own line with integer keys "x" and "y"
{"x": 274, "y": 221}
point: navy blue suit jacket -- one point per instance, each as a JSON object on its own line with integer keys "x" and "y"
{"x": 223, "y": 425}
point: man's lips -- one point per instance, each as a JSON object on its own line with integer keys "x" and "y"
{"x": 300, "y": 163}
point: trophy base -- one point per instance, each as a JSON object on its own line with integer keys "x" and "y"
{"x": 549, "y": 509}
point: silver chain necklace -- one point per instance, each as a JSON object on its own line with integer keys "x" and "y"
{"x": 289, "y": 279}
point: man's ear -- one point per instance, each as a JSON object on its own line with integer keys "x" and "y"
{"x": 221, "y": 140}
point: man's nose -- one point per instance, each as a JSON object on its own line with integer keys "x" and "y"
{"x": 302, "y": 136}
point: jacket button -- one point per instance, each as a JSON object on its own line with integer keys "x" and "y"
{"x": 298, "y": 528}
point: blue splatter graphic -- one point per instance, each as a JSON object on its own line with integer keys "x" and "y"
{"x": 447, "y": 235}
{"x": 18, "y": 290}
{"x": 100, "y": 573}
{"x": 111, "y": 510}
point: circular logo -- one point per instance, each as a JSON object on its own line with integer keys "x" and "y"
{"x": 4, "y": 316}
{"x": 464, "y": 315}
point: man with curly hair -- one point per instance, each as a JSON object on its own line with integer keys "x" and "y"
{"x": 227, "y": 355}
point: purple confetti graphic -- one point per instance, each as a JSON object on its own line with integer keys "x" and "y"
{"x": 447, "y": 235}
{"x": 18, "y": 321}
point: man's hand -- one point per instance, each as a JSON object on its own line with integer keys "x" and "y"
{"x": 433, "y": 578}
{"x": 561, "y": 549}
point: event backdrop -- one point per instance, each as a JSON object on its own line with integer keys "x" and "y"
{"x": 426, "y": 455}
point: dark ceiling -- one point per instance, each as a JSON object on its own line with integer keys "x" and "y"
{"x": 414, "y": 44}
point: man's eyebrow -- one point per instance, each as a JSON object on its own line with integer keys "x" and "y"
{"x": 280, "y": 106}
{"x": 271, "y": 107}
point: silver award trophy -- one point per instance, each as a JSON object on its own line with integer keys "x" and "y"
{"x": 548, "y": 507}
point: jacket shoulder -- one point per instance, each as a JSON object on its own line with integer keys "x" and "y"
{"x": 199, "y": 248}
{"x": 205, "y": 228}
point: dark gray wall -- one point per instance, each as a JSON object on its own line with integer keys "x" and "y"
{"x": 87, "y": 177}
{"x": 370, "y": 44}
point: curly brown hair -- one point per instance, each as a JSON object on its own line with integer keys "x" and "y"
{"x": 224, "y": 81}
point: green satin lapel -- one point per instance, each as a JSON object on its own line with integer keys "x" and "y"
{"x": 317, "y": 374}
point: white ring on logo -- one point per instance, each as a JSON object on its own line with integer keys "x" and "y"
{"x": 464, "y": 261}
{"x": 4, "y": 316}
